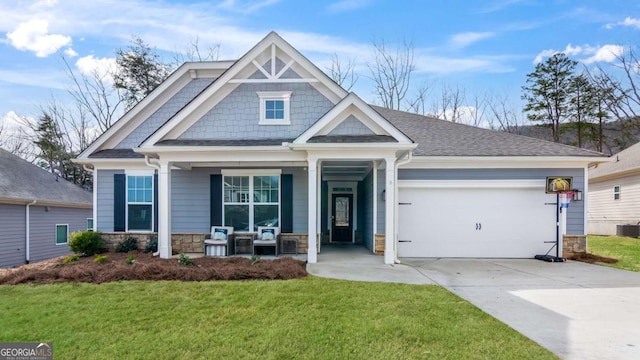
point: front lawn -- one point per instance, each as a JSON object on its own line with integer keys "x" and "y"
{"x": 625, "y": 249}
{"x": 309, "y": 318}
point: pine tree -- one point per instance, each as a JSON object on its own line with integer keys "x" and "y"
{"x": 51, "y": 149}
{"x": 582, "y": 107}
{"x": 546, "y": 92}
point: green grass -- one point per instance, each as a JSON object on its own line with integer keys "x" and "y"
{"x": 625, "y": 249}
{"x": 312, "y": 318}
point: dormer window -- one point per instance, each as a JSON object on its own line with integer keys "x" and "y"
{"x": 274, "y": 107}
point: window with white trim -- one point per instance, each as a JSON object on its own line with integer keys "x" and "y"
{"x": 616, "y": 192}
{"x": 274, "y": 107}
{"x": 250, "y": 201}
{"x": 139, "y": 203}
{"x": 62, "y": 234}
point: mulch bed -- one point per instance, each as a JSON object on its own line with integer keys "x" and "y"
{"x": 592, "y": 259}
{"x": 148, "y": 267}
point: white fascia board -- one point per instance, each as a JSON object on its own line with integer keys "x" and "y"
{"x": 499, "y": 162}
{"x": 20, "y": 201}
{"x": 350, "y": 154}
{"x": 141, "y": 111}
{"x": 477, "y": 184}
{"x": 370, "y": 147}
{"x": 232, "y": 154}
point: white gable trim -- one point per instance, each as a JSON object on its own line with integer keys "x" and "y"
{"x": 151, "y": 103}
{"x": 353, "y": 105}
{"x": 243, "y": 68}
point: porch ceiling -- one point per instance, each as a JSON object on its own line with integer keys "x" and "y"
{"x": 345, "y": 170}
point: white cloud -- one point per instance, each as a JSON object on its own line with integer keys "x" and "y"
{"x": 464, "y": 39}
{"x": 246, "y": 6}
{"x": 100, "y": 67}
{"x": 70, "y": 52}
{"x": 628, "y": 21}
{"x": 33, "y": 35}
{"x": 347, "y": 5}
{"x": 605, "y": 53}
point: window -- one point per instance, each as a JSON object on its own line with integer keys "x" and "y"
{"x": 62, "y": 234}
{"x": 250, "y": 201}
{"x": 274, "y": 107}
{"x": 89, "y": 224}
{"x": 616, "y": 192}
{"x": 139, "y": 203}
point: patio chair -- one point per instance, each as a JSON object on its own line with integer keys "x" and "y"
{"x": 220, "y": 242}
{"x": 267, "y": 237}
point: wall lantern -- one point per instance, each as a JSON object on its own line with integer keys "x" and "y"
{"x": 384, "y": 195}
{"x": 577, "y": 195}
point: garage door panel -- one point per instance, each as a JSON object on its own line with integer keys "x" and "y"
{"x": 473, "y": 222}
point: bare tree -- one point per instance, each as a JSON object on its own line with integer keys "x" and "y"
{"x": 418, "y": 104}
{"x": 194, "y": 52}
{"x": 94, "y": 95}
{"x": 343, "y": 74}
{"x": 449, "y": 104}
{"x": 503, "y": 115}
{"x": 391, "y": 73}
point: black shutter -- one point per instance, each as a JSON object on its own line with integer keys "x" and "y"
{"x": 216, "y": 200}
{"x": 119, "y": 201}
{"x": 287, "y": 203}
{"x": 155, "y": 202}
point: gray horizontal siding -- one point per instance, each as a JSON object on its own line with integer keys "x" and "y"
{"x": 575, "y": 215}
{"x": 300, "y": 199}
{"x": 12, "y": 236}
{"x": 190, "y": 198}
{"x": 43, "y": 222}
{"x": 381, "y": 204}
{"x": 105, "y": 199}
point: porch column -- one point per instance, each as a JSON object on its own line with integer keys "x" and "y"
{"x": 389, "y": 210}
{"x": 312, "y": 251}
{"x": 164, "y": 209}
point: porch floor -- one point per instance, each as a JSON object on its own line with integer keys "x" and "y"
{"x": 357, "y": 263}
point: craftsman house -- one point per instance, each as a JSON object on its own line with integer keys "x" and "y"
{"x": 271, "y": 140}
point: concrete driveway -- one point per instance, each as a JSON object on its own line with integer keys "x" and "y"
{"x": 576, "y": 310}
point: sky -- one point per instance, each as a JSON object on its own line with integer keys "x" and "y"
{"x": 481, "y": 46}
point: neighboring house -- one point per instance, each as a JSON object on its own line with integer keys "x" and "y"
{"x": 614, "y": 192}
{"x": 270, "y": 138}
{"x": 38, "y": 211}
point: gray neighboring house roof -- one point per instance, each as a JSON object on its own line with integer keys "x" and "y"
{"x": 625, "y": 161}
{"x": 21, "y": 181}
{"x": 436, "y": 137}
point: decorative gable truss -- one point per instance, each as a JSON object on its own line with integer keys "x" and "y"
{"x": 352, "y": 121}
{"x": 271, "y": 61}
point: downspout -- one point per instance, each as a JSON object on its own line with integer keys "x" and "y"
{"x": 94, "y": 195}
{"x": 156, "y": 165}
{"x": 27, "y": 239}
{"x": 399, "y": 162}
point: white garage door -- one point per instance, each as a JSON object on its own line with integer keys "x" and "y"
{"x": 456, "y": 220}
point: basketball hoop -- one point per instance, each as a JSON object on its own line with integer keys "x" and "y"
{"x": 564, "y": 198}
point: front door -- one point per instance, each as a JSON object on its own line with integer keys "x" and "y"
{"x": 342, "y": 218}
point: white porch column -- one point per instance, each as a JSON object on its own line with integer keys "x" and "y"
{"x": 164, "y": 209}
{"x": 312, "y": 251}
{"x": 389, "y": 210}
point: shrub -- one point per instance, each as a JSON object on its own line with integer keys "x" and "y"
{"x": 131, "y": 259}
{"x": 127, "y": 245}
{"x": 184, "y": 260}
{"x": 70, "y": 258}
{"x": 152, "y": 246}
{"x": 255, "y": 259}
{"x": 86, "y": 243}
{"x": 100, "y": 259}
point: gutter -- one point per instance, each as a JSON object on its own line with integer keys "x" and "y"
{"x": 399, "y": 162}
{"x": 27, "y": 234}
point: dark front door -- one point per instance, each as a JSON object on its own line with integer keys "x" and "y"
{"x": 342, "y": 218}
